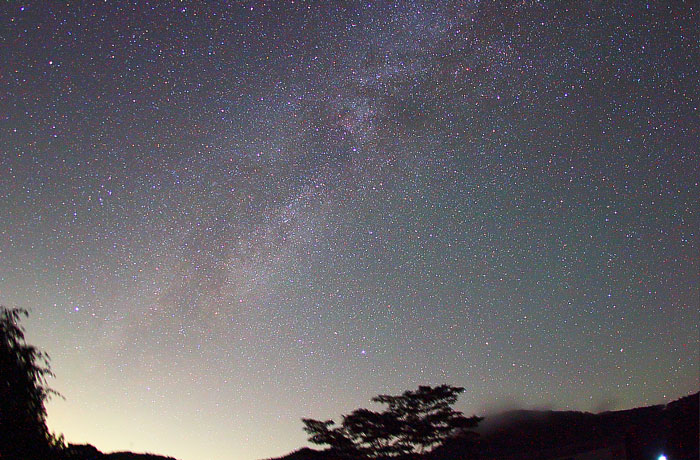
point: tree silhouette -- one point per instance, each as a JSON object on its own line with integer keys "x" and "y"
{"x": 413, "y": 422}
{"x": 376, "y": 432}
{"x": 23, "y": 392}
{"x": 426, "y": 415}
{"x": 336, "y": 438}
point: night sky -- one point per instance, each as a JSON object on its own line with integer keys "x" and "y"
{"x": 224, "y": 218}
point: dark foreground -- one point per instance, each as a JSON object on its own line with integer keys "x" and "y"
{"x": 88, "y": 452}
{"x": 644, "y": 433}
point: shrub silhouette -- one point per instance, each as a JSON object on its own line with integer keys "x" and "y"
{"x": 414, "y": 422}
{"x": 23, "y": 392}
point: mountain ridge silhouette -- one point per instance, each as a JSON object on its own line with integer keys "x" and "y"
{"x": 640, "y": 432}
{"x": 534, "y": 434}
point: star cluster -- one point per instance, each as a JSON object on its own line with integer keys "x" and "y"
{"x": 226, "y": 217}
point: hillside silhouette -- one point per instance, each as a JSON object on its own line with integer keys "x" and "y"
{"x": 644, "y": 433}
{"x": 641, "y": 433}
{"x": 412, "y": 424}
{"x": 90, "y": 452}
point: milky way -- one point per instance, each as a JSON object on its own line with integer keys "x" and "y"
{"x": 224, "y": 218}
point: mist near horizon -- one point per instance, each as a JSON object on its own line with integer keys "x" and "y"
{"x": 226, "y": 217}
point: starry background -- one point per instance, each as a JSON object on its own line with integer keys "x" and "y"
{"x": 224, "y": 218}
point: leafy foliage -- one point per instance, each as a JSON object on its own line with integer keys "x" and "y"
{"x": 413, "y": 422}
{"x": 23, "y": 393}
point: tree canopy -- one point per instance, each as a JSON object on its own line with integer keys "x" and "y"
{"x": 413, "y": 422}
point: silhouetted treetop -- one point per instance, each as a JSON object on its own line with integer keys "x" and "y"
{"x": 413, "y": 422}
